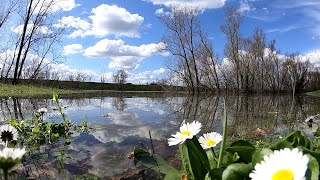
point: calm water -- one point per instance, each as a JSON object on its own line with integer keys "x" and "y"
{"x": 124, "y": 122}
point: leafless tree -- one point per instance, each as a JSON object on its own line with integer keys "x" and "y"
{"x": 120, "y": 77}
{"x": 36, "y": 35}
{"x": 231, "y": 29}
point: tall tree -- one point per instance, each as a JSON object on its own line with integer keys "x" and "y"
{"x": 35, "y": 35}
{"x": 231, "y": 29}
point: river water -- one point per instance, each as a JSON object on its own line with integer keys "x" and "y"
{"x": 122, "y": 122}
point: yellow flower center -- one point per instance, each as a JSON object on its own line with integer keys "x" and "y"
{"x": 186, "y": 133}
{"x": 210, "y": 142}
{"x": 283, "y": 174}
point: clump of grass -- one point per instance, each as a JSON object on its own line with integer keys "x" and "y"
{"x": 25, "y": 90}
{"x": 315, "y": 93}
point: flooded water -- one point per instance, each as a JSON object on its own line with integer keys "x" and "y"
{"x": 123, "y": 122}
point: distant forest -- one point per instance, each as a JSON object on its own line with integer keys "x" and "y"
{"x": 250, "y": 64}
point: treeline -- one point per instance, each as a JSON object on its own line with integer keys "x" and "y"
{"x": 92, "y": 85}
{"x": 250, "y": 64}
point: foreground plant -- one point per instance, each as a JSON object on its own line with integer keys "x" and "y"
{"x": 9, "y": 157}
{"x": 294, "y": 157}
{"x": 187, "y": 131}
{"x": 8, "y": 133}
{"x": 284, "y": 164}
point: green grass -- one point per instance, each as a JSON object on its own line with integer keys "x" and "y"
{"x": 315, "y": 93}
{"x": 24, "y": 90}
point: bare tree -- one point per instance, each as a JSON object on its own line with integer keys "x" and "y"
{"x": 120, "y": 77}
{"x": 231, "y": 29}
{"x": 35, "y": 36}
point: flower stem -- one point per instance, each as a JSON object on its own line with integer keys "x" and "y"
{"x": 214, "y": 154}
{"x": 225, "y": 124}
{"x": 5, "y": 173}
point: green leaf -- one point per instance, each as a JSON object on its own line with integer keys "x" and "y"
{"x": 55, "y": 96}
{"x": 294, "y": 139}
{"x": 238, "y": 171}
{"x": 172, "y": 176}
{"x": 259, "y": 155}
{"x": 194, "y": 159}
{"x": 315, "y": 154}
{"x": 154, "y": 162}
{"x": 313, "y": 168}
{"x": 212, "y": 159}
{"x": 244, "y": 149}
{"x": 214, "y": 174}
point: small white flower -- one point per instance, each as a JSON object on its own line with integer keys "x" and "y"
{"x": 210, "y": 140}
{"x": 187, "y": 131}
{"x": 9, "y": 157}
{"x": 8, "y": 133}
{"x": 12, "y": 153}
{"x": 42, "y": 110}
{"x": 284, "y": 164}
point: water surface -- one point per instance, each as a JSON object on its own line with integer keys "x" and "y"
{"x": 122, "y": 122}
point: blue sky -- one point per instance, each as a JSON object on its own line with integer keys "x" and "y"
{"x": 107, "y": 35}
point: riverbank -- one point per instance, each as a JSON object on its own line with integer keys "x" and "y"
{"x": 25, "y": 90}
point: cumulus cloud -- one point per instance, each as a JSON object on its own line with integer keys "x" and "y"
{"x": 39, "y": 29}
{"x": 111, "y": 19}
{"x": 123, "y": 55}
{"x": 104, "y": 20}
{"x": 313, "y": 57}
{"x": 191, "y": 4}
{"x": 147, "y": 76}
{"x": 62, "y": 70}
{"x": 80, "y": 25}
{"x": 54, "y": 5}
{"x": 72, "y": 49}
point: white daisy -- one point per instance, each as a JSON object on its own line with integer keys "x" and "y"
{"x": 8, "y": 133}
{"x": 12, "y": 153}
{"x": 210, "y": 140}
{"x": 42, "y": 110}
{"x": 187, "y": 131}
{"x": 9, "y": 157}
{"x": 284, "y": 164}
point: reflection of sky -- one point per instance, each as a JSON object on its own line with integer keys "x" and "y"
{"x": 123, "y": 123}
{"x": 118, "y": 130}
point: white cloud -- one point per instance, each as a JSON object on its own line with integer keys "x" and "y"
{"x": 125, "y": 62}
{"x": 72, "y": 49}
{"x": 284, "y": 29}
{"x": 39, "y": 29}
{"x": 192, "y": 4}
{"x": 147, "y": 76}
{"x": 77, "y": 23}
{"x": 123, "y": 55}
{"x": 105, "y": 20}
{"x": 159, "y": 11}
{"x": 313, "y": 57}
{"x": 55, "y": 5}
{"x": 115, "y": 20}
{"x": 244, "y": 7}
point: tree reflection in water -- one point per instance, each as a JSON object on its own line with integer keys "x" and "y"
{"x": 103, "y": 153}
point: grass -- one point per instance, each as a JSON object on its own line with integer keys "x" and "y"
{"x": 315, "y": 93}
{"x": 7, "y": 90}
{"x": 25, "y": 90}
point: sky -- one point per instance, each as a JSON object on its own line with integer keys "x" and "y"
{"x": 107, "y": 35}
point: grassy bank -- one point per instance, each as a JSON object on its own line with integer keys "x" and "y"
{"x": 25, "y": 90}
{"x": 46, "y": 92}
{"x": 75, "y": 85}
